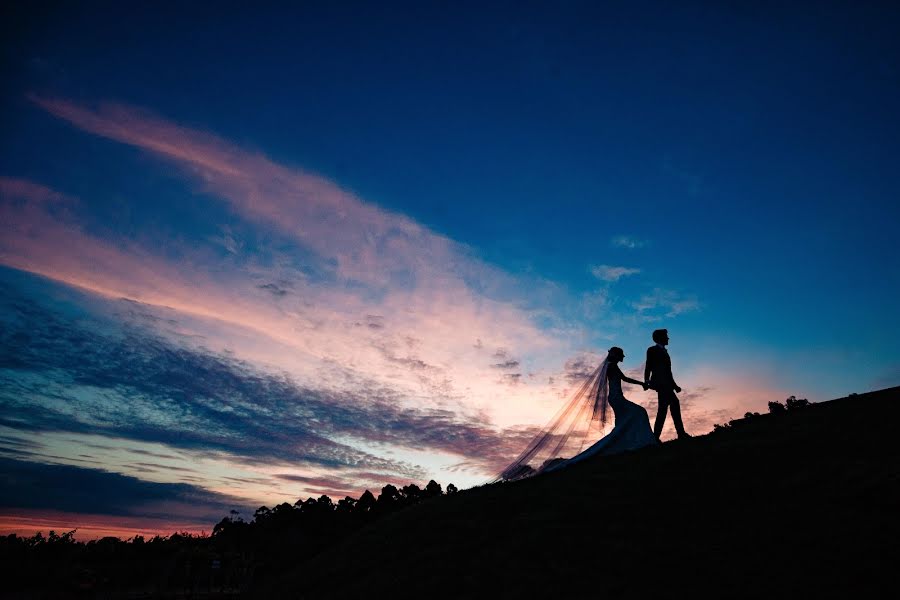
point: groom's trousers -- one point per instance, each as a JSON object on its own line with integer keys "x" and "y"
{"x": 668, "y": 400}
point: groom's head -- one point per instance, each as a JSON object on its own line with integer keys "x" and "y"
{"x": 661, "y": 336}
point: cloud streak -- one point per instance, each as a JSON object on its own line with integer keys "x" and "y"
{"x": 610, "y": 274}
{"x": 664, "y": 303}
{"x": 368, "y": 243}
{"x": 145, "y": 388}
{"x": 629, "y": 242}
{"x": 422, "y": 285}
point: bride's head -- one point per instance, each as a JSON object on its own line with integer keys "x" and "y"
{"x": 615, "y": 355}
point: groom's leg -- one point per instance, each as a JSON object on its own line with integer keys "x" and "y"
{"x": 661, "y": 411}
{"x": 676, "y": 415}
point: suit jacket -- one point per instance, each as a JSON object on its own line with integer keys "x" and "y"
{"x": 658, "y": 369}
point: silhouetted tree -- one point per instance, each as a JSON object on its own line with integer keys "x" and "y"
{"x": 66, "y": 538}
{"x": 411, "y": 493}
{"x": 346, "y": 505}
{"x": 433, "y": 489}
{"x": 451, "y": 489}
{"x": 776, "y": 408}
{"x": 366, "y": 502}
{"x": 794, "y": 403}
{"x": 389, "y": 499}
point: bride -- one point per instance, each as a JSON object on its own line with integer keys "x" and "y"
{"x": 582, "y": 417}
{"x": 632, "y": 428}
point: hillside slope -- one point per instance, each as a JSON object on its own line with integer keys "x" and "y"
{"x": 802, "y": 503}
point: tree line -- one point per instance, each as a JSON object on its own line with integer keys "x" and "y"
{"x": 775, "y": 408}
{"x": 238, "y": 554}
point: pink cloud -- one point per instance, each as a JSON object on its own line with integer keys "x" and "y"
{"x": 368, "y": 243}
{"x": 29, "y": 191}
{"x": 323, "y": 339}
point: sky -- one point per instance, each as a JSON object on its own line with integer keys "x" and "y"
{"x": 260, "y": 254}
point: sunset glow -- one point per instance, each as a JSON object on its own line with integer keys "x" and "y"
{"x": 213, "y": 301}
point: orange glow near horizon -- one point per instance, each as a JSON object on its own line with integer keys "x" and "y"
{"x": 28, "y": 522}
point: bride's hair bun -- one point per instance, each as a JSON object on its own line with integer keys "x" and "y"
{"x": 616, "y": 350}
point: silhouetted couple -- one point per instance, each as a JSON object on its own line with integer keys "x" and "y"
{"x": 632, "y": 427}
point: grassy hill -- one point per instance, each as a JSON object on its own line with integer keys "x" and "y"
{"x": 802, "y": 503}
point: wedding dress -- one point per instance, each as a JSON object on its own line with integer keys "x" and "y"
{"x": 582, "y": 419}
{"x": 632, "y": 429}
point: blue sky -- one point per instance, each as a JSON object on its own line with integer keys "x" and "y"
{"x": 416, "y": 185}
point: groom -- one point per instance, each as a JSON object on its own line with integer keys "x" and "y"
{"x": 658, "y": 376}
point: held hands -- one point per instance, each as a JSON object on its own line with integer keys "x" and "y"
{"x": 646, "y": 387}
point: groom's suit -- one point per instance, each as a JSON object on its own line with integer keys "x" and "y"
{"x": 658, "y": 375}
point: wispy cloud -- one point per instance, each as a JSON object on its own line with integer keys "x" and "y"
{"x": 368, "y": 243}
{"x": 365, "y": 261}
{"x": 87, "y": 376}
{"x": 628, "y": 241}
{"x": 333, "y": 484}
{"x": 23, "y": 190}
{"x": 610, "y": 273}
{"x": 145, "y": 388}
{"x": 664, "y": 303}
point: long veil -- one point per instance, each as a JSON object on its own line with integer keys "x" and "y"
{"x": 581, "y": 418}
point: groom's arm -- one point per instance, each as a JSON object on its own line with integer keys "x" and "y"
{"x": 647, "y": 364}
{"x": 674, "y": 385}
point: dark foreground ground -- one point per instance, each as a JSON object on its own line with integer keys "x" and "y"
{"x": 801, "y": 504}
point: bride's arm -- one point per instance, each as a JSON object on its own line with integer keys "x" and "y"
{"x": 632, "y": 381}
{"x": 621, "y": 376}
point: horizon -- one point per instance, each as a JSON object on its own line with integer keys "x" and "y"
{"x": 258, "y": 256}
